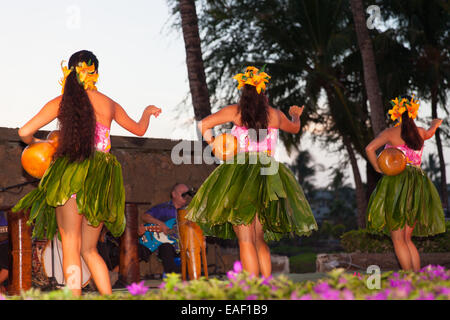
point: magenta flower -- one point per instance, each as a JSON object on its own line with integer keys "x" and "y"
{"x": 322, "y": 288}
{"x": 306, "y": 297}
{"x": 231, "y": 275}
{"x": 383, "y": 295}
{"x": 137, "y": 288}
{"x": 2, "y": 297}
{"x": 294, "y": 295}
{"x": 425, "y": 296}
{"x": 252, "y": 297}
{"x": 435, "y": 272}
{"x": 237, "y": 267}
{"x": 444, "y": 291}
{"x": 348, "y": 295}
{"x": 162, "y": 285}
{"x": 342, "y": 281}
{"x": 331, "y": 295}
{"x": 266, "y": 281}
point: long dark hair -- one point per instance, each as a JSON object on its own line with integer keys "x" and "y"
{"x": 409, "y": 132}
{"x": 254, "y": 110}
{"x": 76, "y": 115}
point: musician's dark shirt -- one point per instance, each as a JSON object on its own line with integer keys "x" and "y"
{"x": 165, "y": 211}
{"x": 3, "y": 222}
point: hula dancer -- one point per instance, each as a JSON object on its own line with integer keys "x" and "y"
{"x": 408, "y": 203}
{"x": 83, "y": 187}
{"x": 255, "y": 198}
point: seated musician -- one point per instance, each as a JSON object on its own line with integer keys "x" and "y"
{"x": 4, "y": 248}
{"x": 162, "y": 214}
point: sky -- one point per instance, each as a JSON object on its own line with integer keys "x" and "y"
{"x": 141, "y": 62}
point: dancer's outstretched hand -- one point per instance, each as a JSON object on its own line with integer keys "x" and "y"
{"x": 436, "y": 122}
{"x": 296, "y": 111}
{"x": 153, "y": 110}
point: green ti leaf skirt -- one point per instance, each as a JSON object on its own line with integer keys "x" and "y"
{"x": 407, "y": 198}
{"x": 98, "y": 185}
{"x": 255, "y": 184}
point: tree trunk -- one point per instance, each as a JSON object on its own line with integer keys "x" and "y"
{"x": 194, "y": 60}
{"x": 370, "y": 72}
{"x": 443, "y": 187}
{"x": 361, "y": 200}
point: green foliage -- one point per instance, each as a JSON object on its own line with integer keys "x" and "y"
{"x": 432, "y": 282}
{"x": 329, "y": 230}
{"x": 303, "y": 263}
{"x": 363, "y": 241}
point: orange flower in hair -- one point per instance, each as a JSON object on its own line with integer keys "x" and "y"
{"x": 253, "y": 77}
{"x": 86, "y": 75}
{"x": 400, "y": 105}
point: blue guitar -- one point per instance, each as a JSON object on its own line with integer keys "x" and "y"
{"x": 153, "y": 237}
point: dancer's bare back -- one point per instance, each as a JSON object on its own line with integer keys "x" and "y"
{"x": 106, "y": 110}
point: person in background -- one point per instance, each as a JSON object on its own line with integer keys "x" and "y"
{"x": 159, "y": 215}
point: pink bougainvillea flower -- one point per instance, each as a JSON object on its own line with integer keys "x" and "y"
{"x": 266, "y": 281}
{"x": 294, "y": 295}
{"x": 137, "y": 288}
{"x": 237, "y": 267}
{"x": 231, "y": 275}
{"x": 348, "y": 295}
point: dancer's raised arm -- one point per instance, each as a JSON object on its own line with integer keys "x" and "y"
{"x": 428, "y": 134}
{"x": 47, "y": 114}
{"x": 138, "y": 128}
{"x": 224, "y": 115}
{"x": 291, "y": 126}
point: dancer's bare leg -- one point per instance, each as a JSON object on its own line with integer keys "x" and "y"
{"x": 3, "y": 276}
{"x": 415, "y": 257}
{"x": 401, "y": 249}
{"x": 247, "y": 248}
{"x": 69, "y": 225}
{"x": 262, "y": 249}
{"x": 96, "y": 264}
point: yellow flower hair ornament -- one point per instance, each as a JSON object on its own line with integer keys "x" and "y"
{"x": 86, "y": 75}
{"x": 400, "y": 105}
{"x": 254, "y": 77}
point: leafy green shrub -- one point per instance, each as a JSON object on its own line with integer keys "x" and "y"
{"x": 432, "y": 282}
{"x": 363, "y": 241}
{"x": 303, "y": 263}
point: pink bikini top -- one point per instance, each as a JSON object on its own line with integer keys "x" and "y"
{"x": 246, "y": 145}
{"x": 413, "y": 157}
{"x": 102, "y": 138}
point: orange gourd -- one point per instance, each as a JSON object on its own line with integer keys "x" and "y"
{"x": 37, "y": 156}
{"x": 225, "y": 146}
{"x": 391, "y": 161}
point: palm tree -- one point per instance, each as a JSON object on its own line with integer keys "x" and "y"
{"x": 304, "y": 169}
{"x": 194, "y": 60}
{"x": 370, "y": 71}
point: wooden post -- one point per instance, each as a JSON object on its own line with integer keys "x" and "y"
{"x": 192, "y": 247}
{"x": 129, "y": 259}
{"x": 20, "y": 252}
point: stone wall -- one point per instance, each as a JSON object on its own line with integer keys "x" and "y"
{"x": 148, "y": 170}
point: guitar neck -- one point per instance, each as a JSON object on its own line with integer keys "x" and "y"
{"x": 153, "y": 228}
